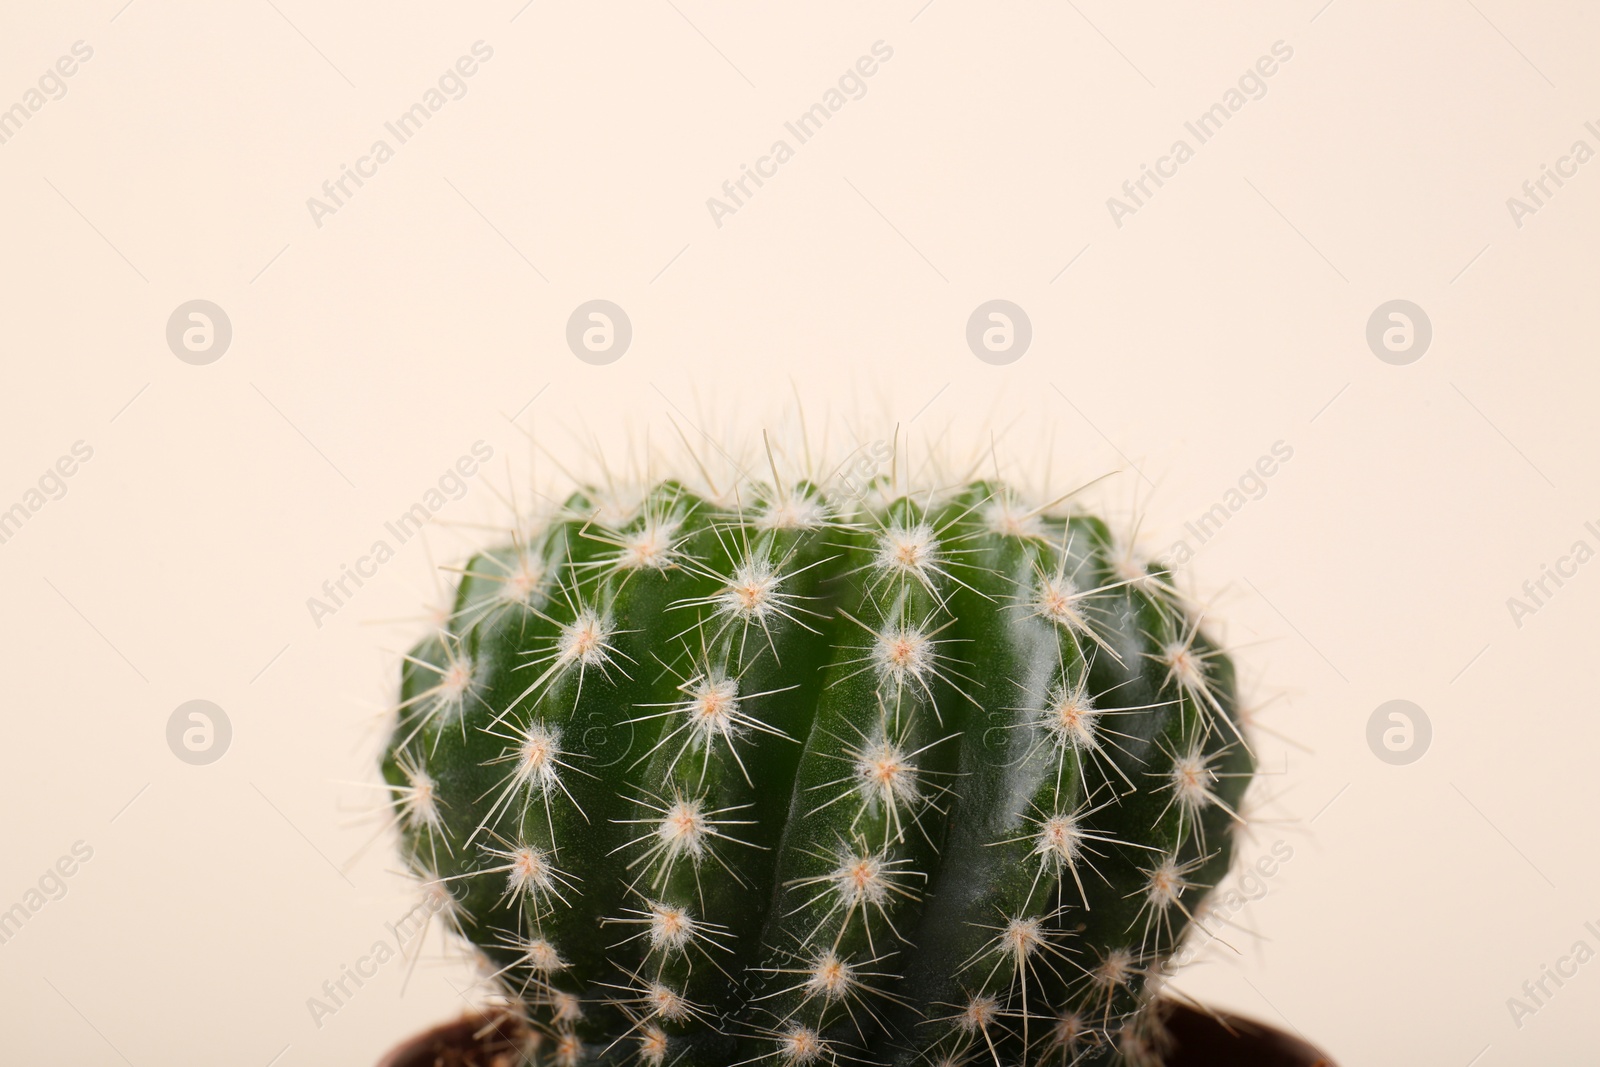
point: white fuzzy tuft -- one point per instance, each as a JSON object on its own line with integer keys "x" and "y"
{"x": 1191, "y": 781}
{"x": 683, "y": 830}
{"x": 652, "y": 1045}
{"x": 1071, "y": 718}
{"x": 524, "y": 582}
{"x": 713, "y": 710}
{"x": 1021, "y": 938}
{"x": 538, "y": 756}
{"x": 1060, "y": 601}
{"x": 861, "y": 879}
{"x": 795, "y": 511}
{"x": 911, "y": 552}
{"x": 800, "y": 1045}
{"x": 886, "y": 775}
{"x": 978, "y": 1014}
{"x": 1059, "y": 841}
{"x": 418, "y": 800}
{"x": 1008, "y": 518}
{"x": 667, "y": 1003}
{"x": 541, "y": 957}
{"x": 671, "y": 928}
{"x": 750, "y": 593}
{"x": 586, "y": 641}
{"x": 653, "y": 546}
{"x": 830, "y": 977}
{"x": 1117, "y": 968}
{"x": 904, "y": 653}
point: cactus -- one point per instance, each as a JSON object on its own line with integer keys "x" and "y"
{"x": 796, "y": 776}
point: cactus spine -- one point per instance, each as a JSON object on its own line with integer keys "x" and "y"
{"x": 795, "y": 778}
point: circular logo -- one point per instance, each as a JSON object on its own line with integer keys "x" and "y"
{"x": 999, "y": 332}
{"x": 600, "y": 741}
{"x": 1398, "y": 732}
{"x": 199, "y": 332}
{"x": 198, "y": 732}
{"x": 599, "y": 332}
{"x": 1399, "y": 332}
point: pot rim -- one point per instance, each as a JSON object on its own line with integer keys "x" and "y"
{"x": 1203, "y": 1035}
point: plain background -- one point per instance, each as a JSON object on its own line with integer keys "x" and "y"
{"x": 1228, "y": 313}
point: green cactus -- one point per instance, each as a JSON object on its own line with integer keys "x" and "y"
{"x": 798, "y": 777}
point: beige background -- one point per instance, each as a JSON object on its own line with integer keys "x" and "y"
{"x": 1225, "y": 315}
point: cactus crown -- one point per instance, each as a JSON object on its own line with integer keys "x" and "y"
{"x": 808, "y": 776}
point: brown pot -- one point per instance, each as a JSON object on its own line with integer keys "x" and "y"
{"x": 1201, "y": 1040}
{"x": 1223, "y": 1040}
{"x": 471, "y": 1041}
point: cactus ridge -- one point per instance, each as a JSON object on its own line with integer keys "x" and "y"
{"x": 806, "y": 778}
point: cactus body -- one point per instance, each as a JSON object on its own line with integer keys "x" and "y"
{"x": 932, "y": 779}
